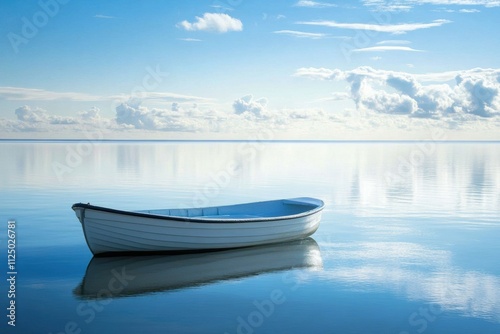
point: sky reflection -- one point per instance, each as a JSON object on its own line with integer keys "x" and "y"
{"x": 371, "y": 178}
{"x": 416, "y": 273}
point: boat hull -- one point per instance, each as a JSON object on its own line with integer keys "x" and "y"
{"x": 109, "y": 231}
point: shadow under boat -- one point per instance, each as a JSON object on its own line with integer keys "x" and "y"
{"x": 120, "y": 276}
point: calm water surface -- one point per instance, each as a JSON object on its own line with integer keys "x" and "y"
{"x": 408, "y": 243}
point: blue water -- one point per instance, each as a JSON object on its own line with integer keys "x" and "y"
{"x": 408, "y": 242}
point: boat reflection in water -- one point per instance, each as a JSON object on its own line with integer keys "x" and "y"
{"x": 119, "y": 276}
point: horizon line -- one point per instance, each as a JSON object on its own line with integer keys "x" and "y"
{"x": 56, "y": 140}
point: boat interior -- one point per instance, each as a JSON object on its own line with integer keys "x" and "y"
{"x": 277, "y": 208}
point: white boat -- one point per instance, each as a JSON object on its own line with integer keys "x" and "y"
{"x": 161, "y": 273}
{"x": 109, "y": 230}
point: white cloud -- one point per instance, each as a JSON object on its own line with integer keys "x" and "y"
{"x": 91, "y": 115}
{"x": 247, "y": 105}
{"x": 318, "y": 73}
{"x": 189, "y": 39}
{"x": 222, "y": 8}
{"x": 132, "y": 115}
{"x": 394, "y": 42}
{"x": 215, "y": 22}
{"x": 405, "y": 5}
{"x": 475, "y": 92}
{"x": 129, "y": 116}
{"x": 314, "y": 4}
{"x": 165, "y": 96}
{"x": 438, "y": 76}
{"x": 106, "y": 17}
{"x": 384, "y": 100}
{"x": 301, "y": 34}
{"x": 336, "y": 96}
{"x": 35, "y": 119}
{"x": 248, "y": 114}
{"x": 26, "y": 114}
{"x": 32, "y": 94}
{"x": 386, "y": 28}
{"x": 30, "y": 115}
{"x": 383, "y": 48}
{"x": 481, "y": 94}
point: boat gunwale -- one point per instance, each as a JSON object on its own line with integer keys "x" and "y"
{"x": 211, "y": 220}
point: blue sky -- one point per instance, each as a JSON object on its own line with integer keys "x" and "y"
{"x": 368, "y": 69}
